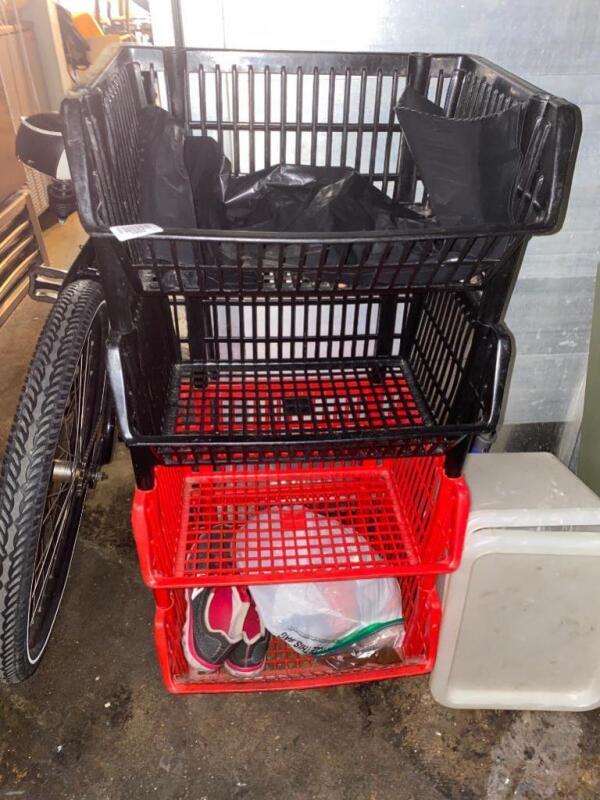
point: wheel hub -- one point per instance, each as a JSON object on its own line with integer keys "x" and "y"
{"x": 65, "y": 471}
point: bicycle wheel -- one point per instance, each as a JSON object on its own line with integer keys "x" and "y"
{"x": 61, "y": 432}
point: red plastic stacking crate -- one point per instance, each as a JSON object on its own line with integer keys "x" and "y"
{"x": 286, "y": 669}
{"x": 403, "y": 517}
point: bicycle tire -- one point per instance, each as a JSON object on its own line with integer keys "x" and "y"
{"x": 28, "y": 468}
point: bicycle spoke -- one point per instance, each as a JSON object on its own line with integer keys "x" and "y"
{"x": 45, "y": 568}
{"x": 53, "y": 505}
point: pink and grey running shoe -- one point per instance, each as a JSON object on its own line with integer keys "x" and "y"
{"x": 214, "y": 622}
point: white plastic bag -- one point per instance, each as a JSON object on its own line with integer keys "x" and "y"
{"x": 324, "y": 617}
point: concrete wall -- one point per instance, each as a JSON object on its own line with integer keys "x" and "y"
{"x": 554, "y": 44}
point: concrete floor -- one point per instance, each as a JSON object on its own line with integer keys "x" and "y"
{"x": 95, "y": 723}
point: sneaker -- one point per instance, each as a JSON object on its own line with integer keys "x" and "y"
{"x": 214, "y": 620}
{"x": 247, "y": 658}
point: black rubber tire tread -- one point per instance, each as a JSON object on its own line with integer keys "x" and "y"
{"x": 27, "y": 465}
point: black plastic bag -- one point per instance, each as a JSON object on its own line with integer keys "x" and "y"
{"x": 166, "y": 197}
{"x": 469, "y": 166}
{"x": 207, "y": 168}
{"x": 305, "y": 199}
{"x": 289, "y": 198}
{"x": 188, "y": 183}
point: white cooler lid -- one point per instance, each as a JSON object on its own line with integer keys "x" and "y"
{"x": 527, "y": 489}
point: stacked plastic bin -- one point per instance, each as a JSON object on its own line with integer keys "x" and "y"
{"x": 409, "y": 513}
{"x": 346, "y": 373}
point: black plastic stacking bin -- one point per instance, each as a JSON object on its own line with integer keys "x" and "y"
{"x": 236, "y": 345}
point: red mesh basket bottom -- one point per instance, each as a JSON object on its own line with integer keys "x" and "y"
{"x": 286, "y": 669}
{"x": 238, "y": 523}
{"x": 401, "y": 517}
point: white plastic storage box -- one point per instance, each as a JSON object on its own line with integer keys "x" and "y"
{"x": 521, "y": 616}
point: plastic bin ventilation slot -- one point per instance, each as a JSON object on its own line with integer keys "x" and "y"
{"x": 404, "y": 517}
{"x": 285, "y": 669}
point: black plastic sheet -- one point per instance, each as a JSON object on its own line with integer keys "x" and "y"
{"x": 166, "y": 197}
{"x": 469, "y": 167}
{"x": 304, "y": 199}
{"x": 290, "y": 198}
{"x": 188, "y": 183}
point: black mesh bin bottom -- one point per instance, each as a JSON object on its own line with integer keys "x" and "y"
{"x": 302, "y": 411}
{"x": 266, "y": 402}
